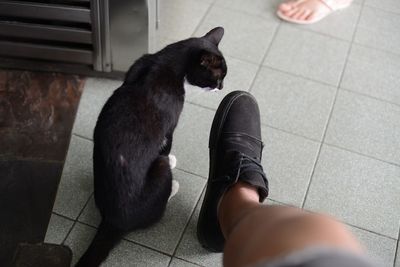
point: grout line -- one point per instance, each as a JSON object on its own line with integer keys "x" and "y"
{"x": 63, "y": 216}
{"x": 354, "y": 226}
{"x": 148, "y": 247}
{"x": 381, "y": 9}
{"x": 190, "y": 219}
{"x": 88, "y": 224}
{"x": 190, "y": 262}
{"x": 200, "y": 105}
{"x": 357, "y": 24}
{"x": 331, "y": 112}
{"x": 291, "y": 133}
{"x": 370, "y": 96}
{"x": 377, "y": 49}
{"x": 245, "y": 60}
{"x": 82, "y": 137}
{"x": 361, "y": 154}
{"x": 320, "y": 33}
{"x": 264, "y": 56}
{"x": 203, "y": 19}
{"x": 397, "y": 251}
{"x": 300, "y": 76}
{"x": 241, "y": 59}
{"x": 370, "y": 231}
{"x": 170, "y": 261}
{"x": 313, "y": 171}
{"x": 128, "y": 240}
{"x": 76, "y": 220}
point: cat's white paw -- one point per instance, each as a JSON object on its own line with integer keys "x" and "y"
{"x": 172, "y": 161}
{"x": 175, "y": 189}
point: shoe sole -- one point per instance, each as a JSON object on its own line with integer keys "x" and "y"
{"x": 215, "y": 134}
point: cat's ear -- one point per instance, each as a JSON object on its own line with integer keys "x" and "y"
{"x": 215, "y": 35}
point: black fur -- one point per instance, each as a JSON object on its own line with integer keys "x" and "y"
{"x": 132, "y": 176}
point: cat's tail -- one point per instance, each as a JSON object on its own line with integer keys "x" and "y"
{"x": 106, "y": 238}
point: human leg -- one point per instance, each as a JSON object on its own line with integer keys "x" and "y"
{"x": 255, "y": 232}
{"x": 232, "y": 219}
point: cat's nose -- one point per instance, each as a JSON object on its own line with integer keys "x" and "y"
{"x": 220, "y": 84}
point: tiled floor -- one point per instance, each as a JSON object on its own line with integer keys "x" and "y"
{"x": 330, "y": 102}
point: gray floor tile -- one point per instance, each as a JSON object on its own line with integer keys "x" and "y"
{"x": 379, "y": 29}
{"x": 246, "y": 37}
{"x": 95, "y": 94}
{"x": 181, "y": 263}
{"x": 190, "y": 145}
{"x": 292, "y": 103}
{"x": 76, "y": 183}
{"x": 262, "y": 8}
{"x": 397, "y": 263}
{"x": 288, "y": 161}
{"x": 340, "y": 24}
{"x": 308, "y": 54}
{"x": 163, "y": 42}
{"x": 124, "y": 254}
{"x": 179, "y": 18}
{"x": 365, "y": 125}
{"x": 190, "y": 249}
{"x": 381, "y": 249}
{"x": 356, "y": 189}
{"x": 372, "y": 72}
{"x": 163, "y": 236}
{"x": 240, "y": 75}
{"x": 129, "y": 254}
{"x": 57, "y": 229}
{"x": 388, "y": 5}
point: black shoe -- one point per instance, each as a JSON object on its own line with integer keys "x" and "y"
{"x": 235, "y": 154}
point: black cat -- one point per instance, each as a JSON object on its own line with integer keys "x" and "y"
{"x": 133, "y": 137}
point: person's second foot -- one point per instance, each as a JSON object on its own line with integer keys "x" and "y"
{"x": 309, "y": 11}
{"x": 235, "y": 155}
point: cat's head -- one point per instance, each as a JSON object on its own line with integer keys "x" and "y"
{"x": 207, "y": 67}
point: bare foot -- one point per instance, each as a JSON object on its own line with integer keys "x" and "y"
{"x": 309, "y": 11}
